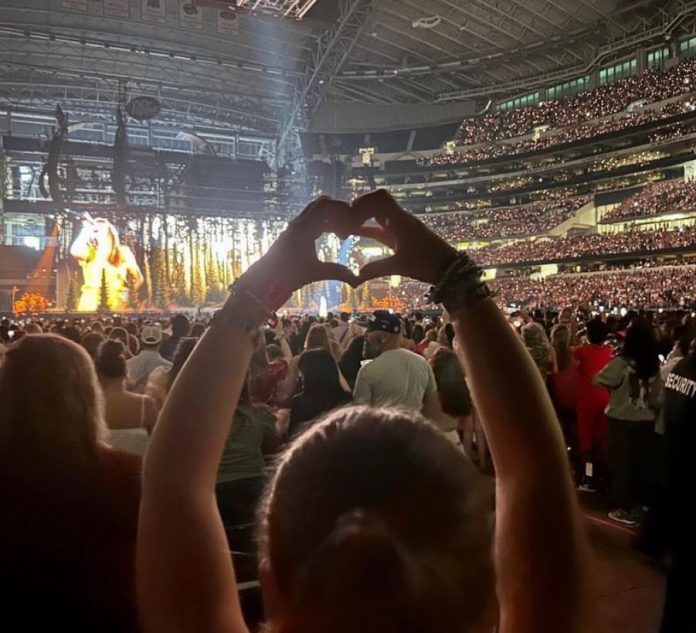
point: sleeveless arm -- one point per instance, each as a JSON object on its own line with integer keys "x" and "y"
{"x": 540, "y": 545}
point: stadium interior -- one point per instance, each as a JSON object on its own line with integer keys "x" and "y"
{"x": 151, "y": 151}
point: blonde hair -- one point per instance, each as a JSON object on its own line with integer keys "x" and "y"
{"x": 318, "y": 336}
{"x": 50, "y": 404}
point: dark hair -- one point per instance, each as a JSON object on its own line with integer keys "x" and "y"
{"x": 682, "y": 336}
{"x": 197, "y": 329}
{"x": 72, "y": 333}
{"x": 449, "y": 333}
{"x": 320, "y": 375}
{"x": 345, "y": 316}
{"x": 451, "y": 384}
{"x": 91, "y": 342}
{"x": 376, "y": 550}
{"x": 418, "y": 333}
{"x": 641, "y": 347}
{"x": 351, "y": 359}
{"x": 597, "y": 331}
{"x": 110, "y": 360}
{"x": 183, "y": 350}
{"x": 180, "y": 325}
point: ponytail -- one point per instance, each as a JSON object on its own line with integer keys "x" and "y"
{"x": 359, "y": 579}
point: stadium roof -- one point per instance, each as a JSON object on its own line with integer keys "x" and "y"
{"x": 269, "y": 72}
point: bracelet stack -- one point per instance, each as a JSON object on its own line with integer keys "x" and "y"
{"x": 246, "y": 310}
{"x": 462, "y": 285}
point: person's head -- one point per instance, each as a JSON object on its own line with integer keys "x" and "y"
{"x": 110, "y": 361}
{"x": 319, "y": 373}
{"x": 560, "y": 341}
{"x": 131, "y": 328}
{"x": 151, "y": 336}
{"x": 182, "y": 352}
{"x": 274, "y": 352}
{"x": 91, "y": 341}
{"x": 345, "y": 316}
{"x": 180, "y": 325}
{"x": 72, "y": 333}
{"x": 451, "y": 384}
{"x": 641, "y": 347}
{"x": 418, "y": 333}
{"x": 534, "y": 335}
{"x": 683, "y": 335}
{"x": 383, "y": 333}
{"x": 97, "y": 326}
{"x": 49, "y": 404}
{"x": 119, "y": 334}
{"x": 318, "y": 336}
{"x": 377, "y": 551}
{"x": 446, "y": 335}
{"x": 33, "y": 328}
{"x": 597, "y": 331}
{"x": 197, "y": 329}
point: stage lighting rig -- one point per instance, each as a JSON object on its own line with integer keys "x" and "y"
{"x": 295, "y": 9}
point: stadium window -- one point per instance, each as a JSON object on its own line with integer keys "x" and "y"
{"x": 687, "y": 48}
{"x": 657, "y": 58}
{"x": 618, "y": 71}
{"x": 569, "y": 88}
{"x": 519, "y": 102}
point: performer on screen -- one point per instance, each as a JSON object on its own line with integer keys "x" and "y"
{"x": 96, "y": 249}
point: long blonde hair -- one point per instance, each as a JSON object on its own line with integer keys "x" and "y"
{"x": 560, "y": 341}
{"x": 50, "y": 405}
{"x": 318, "y": 336}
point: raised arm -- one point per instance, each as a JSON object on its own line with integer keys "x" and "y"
{"x": 185, "y": 577}
{"x": 539, "y": 543}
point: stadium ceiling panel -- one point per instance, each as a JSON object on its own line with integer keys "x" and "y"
{"x": 256, "y": 66}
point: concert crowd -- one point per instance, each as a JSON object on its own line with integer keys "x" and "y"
{"x": 671, "y": 196}
{"x": 533, "y": 219}
{"x": 586, "y": 245}
{"x": 239, "y": 417}
{"x": 651, "y": 86}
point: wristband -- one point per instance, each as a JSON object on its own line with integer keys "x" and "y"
{"x": 462, "y": 285}
{"x": 270, "y": 296}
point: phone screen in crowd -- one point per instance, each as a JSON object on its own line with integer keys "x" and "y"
{"x": 10, "y": 333}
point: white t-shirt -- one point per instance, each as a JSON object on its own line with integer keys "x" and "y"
{"x": 141, "y": 366}
{"x": 397, "y": 378}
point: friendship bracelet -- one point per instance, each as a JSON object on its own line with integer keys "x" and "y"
{"x": 270, "y": 296}
{"x": 462, "y": 285}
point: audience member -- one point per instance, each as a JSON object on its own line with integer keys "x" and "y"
{"x": 68, "y": 503}
{"x": 632, "y": 379}
{"x": 141, "y": 366}
{"x": 129, "y": 417}
{"x": 180, "y": 327}
{"x": 394, "y": 376}
{"x": 321, "y": 390}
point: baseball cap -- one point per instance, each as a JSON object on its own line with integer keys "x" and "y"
{"x": 151, "y": 334}
{"x": 384, "y": 321}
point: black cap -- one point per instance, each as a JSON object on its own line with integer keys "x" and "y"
{"x": 384, "y": 321}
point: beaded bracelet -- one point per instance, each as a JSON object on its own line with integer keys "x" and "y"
{"x": 462, "y": 285}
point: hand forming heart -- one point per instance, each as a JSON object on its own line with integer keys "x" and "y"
{"x": 292, "y": 263}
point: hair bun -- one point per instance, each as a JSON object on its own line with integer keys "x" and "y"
{"x": 110, "y": 360}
